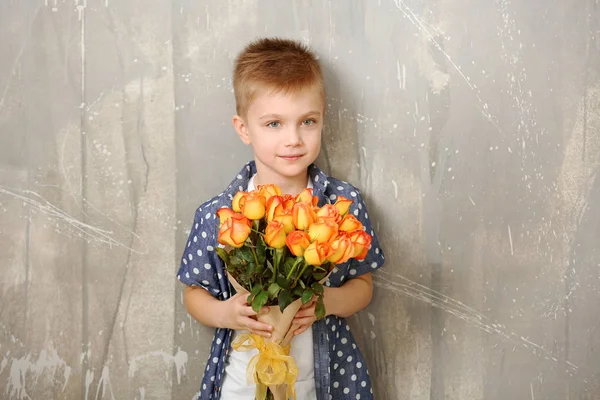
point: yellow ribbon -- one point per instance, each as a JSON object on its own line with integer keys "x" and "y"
{"x": 271, "y": 366}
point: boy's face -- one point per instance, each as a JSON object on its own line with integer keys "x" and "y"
{"x": 284, "y": 131}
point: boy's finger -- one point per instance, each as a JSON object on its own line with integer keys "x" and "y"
{"x": 304, "y": 320}
{"x": 306, "y": 312}
{"x": 248, "y": 312}
{"x": 308, "y": 305}
{"x": 265, "y": 334}
{"x": 258, "y": 327}
{"x": 300, "y": 330}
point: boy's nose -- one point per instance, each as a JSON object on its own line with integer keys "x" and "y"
{"x": 293, "y": 137}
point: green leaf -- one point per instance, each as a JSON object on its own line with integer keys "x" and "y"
{"x": 223, "y": 254}
{"x": 320, "y": 308}
{"x": 306, "y": 274}
{"x": 255, "y": 291}
{"x": 261, "y": 251}
{"x": 251, "y": 268}
{"x": 284, "y": 283}
{"x": 235, "y": 261}
{"x": 288, "y": 265}
{"x": 245, "y": 253}
{"x": 270, "y": 267}
{"x": 243, "y": 280}
{"x": 318, "y": 275}
{"x": 302, "y": 284}
{"x": 317, "y": 288}
{"x": 259, "y": 269}
{"x": 260, "y": 300}
{"x": 284, "y": 299}
{"x": 297, "y": 292}
{"x": 273, "y": 290}
{"x": 307, "y": 295}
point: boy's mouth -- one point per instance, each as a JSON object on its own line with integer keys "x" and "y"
{"x": 291, "y": 157}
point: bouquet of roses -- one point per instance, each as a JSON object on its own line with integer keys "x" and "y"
{"x": 280, "y": 249}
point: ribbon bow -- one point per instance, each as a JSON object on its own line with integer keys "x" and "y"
{"x": 271, "y": 366}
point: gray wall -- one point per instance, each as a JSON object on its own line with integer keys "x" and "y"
{"x": 471, "y": 126}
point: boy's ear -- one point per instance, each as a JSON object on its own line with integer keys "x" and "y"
{"x": 241, "y": 128}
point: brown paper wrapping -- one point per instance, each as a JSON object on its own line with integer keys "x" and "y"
{"x": 283, "y": 330}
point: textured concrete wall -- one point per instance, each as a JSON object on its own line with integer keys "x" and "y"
{"x": 471, "y": 126}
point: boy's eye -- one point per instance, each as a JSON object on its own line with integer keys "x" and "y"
{"x": 309, "y": 122}
{"x": 274, "y": 124}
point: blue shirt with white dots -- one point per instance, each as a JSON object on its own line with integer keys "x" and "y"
{"x": 340, "y": 369}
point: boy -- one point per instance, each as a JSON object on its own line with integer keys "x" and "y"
{"x": 280, "y": 104}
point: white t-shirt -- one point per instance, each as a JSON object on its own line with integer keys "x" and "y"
{"x": 234, "y": 385}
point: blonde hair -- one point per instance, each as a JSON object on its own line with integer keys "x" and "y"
{"x": 276, "y": 65}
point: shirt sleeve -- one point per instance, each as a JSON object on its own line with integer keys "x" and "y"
{"x": 200, "y": 264}
{"x": 375, "y": 257}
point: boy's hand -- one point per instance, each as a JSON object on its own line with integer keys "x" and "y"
{"x": 239, "y": 315}
{"x": 305, "y": 317}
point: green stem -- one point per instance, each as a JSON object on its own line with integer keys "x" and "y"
{"x": 253, "y": 246}
{"x": 256, "y": 226}
{"x": 298, "y": 261}
{"x": 254, "y": 254}
{"x": 301, "y": 272}
{"x": 276, "y": 262}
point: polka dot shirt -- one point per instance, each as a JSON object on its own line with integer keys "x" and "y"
{"x": 340, "y": 369}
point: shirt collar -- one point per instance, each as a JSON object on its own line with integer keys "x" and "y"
{"x": 318, "y": 178}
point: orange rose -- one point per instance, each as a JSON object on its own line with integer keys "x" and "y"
{"x": 316, "y": 253}
{"x": 362, "y": 242}
{"x": 288, "y": 201}
{"x": 274, "y": 206}
{"x": 253, "y": 206}
{"x": 305, "y": 196}
{"x": 349, "y": 223}
{"x": 297, "y": 242}
{"x": 343, "y": 205}
{"x": 287, "y": 218}
{"x": 224, "y": 214}
{"x": 275, "y": 234}
{"x": 303, "y": 216}
{"x": 268, "y": 191}
{"x": 323, "y": 230}
{"x": 237, "y": 202}
{"x": 234, "y": 231}
{"x": 343, "y": 249}
{"x": 329, "y": 211}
